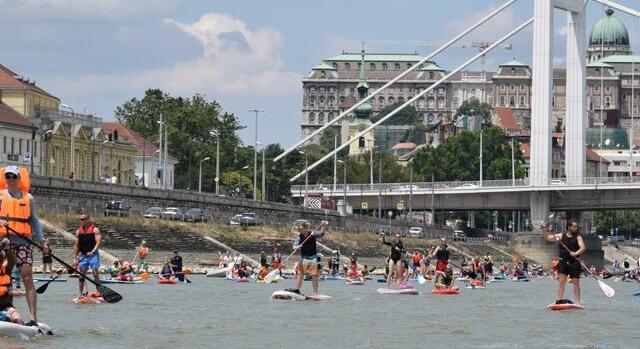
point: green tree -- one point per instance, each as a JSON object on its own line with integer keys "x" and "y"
{"x": 457, "y": 158}
{"x": 416, "y": 134}
{"x": 406, "y": 116}
{"x": 473, "y": 106}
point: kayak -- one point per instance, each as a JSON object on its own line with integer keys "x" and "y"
{"x": 565, "y": 306}
{"x": 218, "y": 272}
{"x": 169, "y": 281}
{"x": 445, "y": 291}
{"x": 398, "y": 291}
{"x": 292, "y": 296}
{"x": 49, "y": 280}
{"x": 9, "y": 329}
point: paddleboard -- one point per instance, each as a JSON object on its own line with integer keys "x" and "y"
{"x": 242, "y": 280}
{"x": 637, "y": 293}
{"x": 9, "y": 329}
{"x": 520, "y": 280}
{"x": 332, "y": 277}
{"x": 400, "y": 291}
{"x": 18, "y": 293}
{"x": 47, "y": 280}
{"x": 444, "y": 291}
{"x": 566, "y": 306}
{"x": 292, "y": 296}
{"x": 163, "y": 281}
{"x": 89, "y": 300}
{"x": 474, "y": 287}
{"x": 218, "y": 272}
{"x": 121, "y": 282}
{"x": 355, "y": 282}
{"x": 382, "y": 280}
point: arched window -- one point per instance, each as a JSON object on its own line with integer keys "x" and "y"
{"x": 321, "y": 102}
{"x": 397, "y": 66}
{"x": 512, "y": 87}
{"x": 512, "y": 101}
{"x": 501, "y": 100}
{"x": 381, "y": 102}
{"x": 409, "y": 65}
{"x": 513, "y": 71}
{"x": 331, "y": 101}
{"x": 335, "y": 65}
{"x": 421, "y": 103}
{"x": 347, "y": 66}
{"x": 391, "y": 100}
{"x": 372, "y": 66}
{"x": 330, "y": 117}
{"x": 431, "y": 75}
{"x": 321, "y": 118}
{"x": 312, "y": 118}
{"x": 384, "y": 66}
{"x": 401, "y": 99}
{"x": 341, "y": 99}
{"x": 323, "y": 74}
{"x": 312, "y": 101}
{"x": 430, "y": 118}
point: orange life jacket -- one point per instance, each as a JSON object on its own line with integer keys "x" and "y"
{"x": 143, "y": 252}
{"x": 24, "y": 184}
{"x": 417, "y": 258}
{"x": 17, "y": 212}
{"x": 5, "y": 279}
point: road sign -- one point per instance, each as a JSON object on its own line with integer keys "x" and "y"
{"x": 364, "y": 205}
{"x": 400, "y": 206}
{"x": 27, "y": 157}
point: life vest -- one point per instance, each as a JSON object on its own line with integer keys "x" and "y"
{"x": 417, "y": 258}
{"x": 24, "y": 184}
{"x": 144, "y": 251}
{"x": 5, "y": 279}
{"x": 17, "y": 212}
{"x": 86, "y": 238}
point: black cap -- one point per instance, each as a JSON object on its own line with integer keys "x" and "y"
{"x": 175, "y": 251}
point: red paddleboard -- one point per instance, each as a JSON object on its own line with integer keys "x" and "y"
{"x": 566, "y": 306}
{"x": 167, "y": 281}
{"x": 444, "y": 291}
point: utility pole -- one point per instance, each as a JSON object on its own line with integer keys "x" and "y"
{"x": 379, "y": 184}
{"x": 410, "y": 191}
{"x": 335, "y": 162}
{"x": 481, "y": 133}
{"x": 513, "y": 164}
{"x": 255, "y": 155}
{"x": 166, "y": 153}
{"x": 433, "y": 192}
{"x": 264, "y": 179}
{"x": 371, "y": 161}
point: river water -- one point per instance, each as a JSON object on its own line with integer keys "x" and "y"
{"x": 215, "y": 313}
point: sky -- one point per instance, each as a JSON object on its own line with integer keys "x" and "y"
{"x": 96, "y": 54}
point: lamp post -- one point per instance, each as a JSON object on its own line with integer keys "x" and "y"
{"x": 513, "y": 164}
{"x": 93, "y": 155}
{"x": 306, "y": 175}
{"x": 45, "y": 139}
{"x": 100, "y": 160}
{"x": 344, "y": 187}
{"x": 217, "y": 179}
{"x": 263, "y": 193}
{"x": 200, "y": 174}
{"x": 255, "y": 154}
{"x": 73, "y": 138}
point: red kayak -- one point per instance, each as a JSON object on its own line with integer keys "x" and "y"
{"x": 169, "y": 281}
{"x": 444, "y": 291}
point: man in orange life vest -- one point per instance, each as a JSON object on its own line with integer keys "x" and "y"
{"x": 87, "y": 245}
{"x": 18, "y": 212}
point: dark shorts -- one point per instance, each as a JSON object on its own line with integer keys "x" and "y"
{"x": 570, "y": 267}
{"x": 23, "y": 254}
{"x": 47, "y": 260}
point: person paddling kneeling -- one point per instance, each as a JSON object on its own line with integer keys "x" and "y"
{"x": 570, "y": 249}
{"x": 8, "y": 312}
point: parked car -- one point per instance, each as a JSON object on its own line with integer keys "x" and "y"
{"x": 466, "y": 186}
{"x": 635, "y": 241}
{"x": 235, "y": 220}
{"x": 459, "y": 235}
{"x": 616, "y": 238}
{"x": 117, "y": 208}
{"x": 152, "y": 212}
{"x": 415, "y": 232}
{"x": 195, "y": 215}
{"x": 297, "y": 223}
{"x": 250, "y": 218}
{"x": 173, "y": 213}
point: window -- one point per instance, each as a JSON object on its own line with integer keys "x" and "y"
{"x": 440, "y": 91}
{"x": 332, "y": 89}
{"x": 512, "y": 101}
{"x": 381, "y": 102}
{"x": 440, "y": 103}
{"x": 341, "y": 99}
{"x": 35, "y": 149}
{"x": 456, "y": 102}
{"x": 607, "y": 102}
{"x": 553, "y": 101}
{"x": 397, "y": 66}
{"x": 429, "y": 118}
{"x": 607, "y": 88}
{"x": 596, "y": 88}
{"x": 312, "y": 118}
{"x": 384, "y": 66}
{"x": 522, "y": 87}
{"x": 321, "y": 102}
{"x": 312, "y": 101}
{"x": 522, "y": 100}
{"x": 624, "y": 96}
{"x": 347, "y": 66}
{"x": 513, "y": 71}
{"x": 321, "y": 118}
{"x": 13, "y": 141}
{"x": 501, "y": 100}
{"x": 330, "y": 117}
{"x": 312, "y": 89}
{"x": 431, "y": 103}
{"x": 372, "y": 66}
{"x": 502, "y": 87}
{"x": 421, "y": 103}
{"x": 409, "y": 65}
{"x": 331, "y": 102}
{"x": 473, "y": 91}
{"x": 598, "y": 71}
{"x": 400, "y": 99}
{"x": 512, "y": 87}
{"x": 391, "y": 100}
{"x": 322, "y": 89}
{"x": 335, "y": 65}
{"x": 359, "y": 65}
{"x": 323, "y": 74}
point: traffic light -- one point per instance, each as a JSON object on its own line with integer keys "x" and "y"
{"x": 361, "y": 142}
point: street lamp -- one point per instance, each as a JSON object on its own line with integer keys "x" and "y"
{"x": 264, "y": 183}
{"x": 255, "y": 154}
{"x": 217, "y": 179}
{"x": 73, "y": 138}
{"x": 306, "y": 174}
{"x": 45, "y": 139}
{"x": 200, "y": 174}
{"x": 344, "y": 187}
{"x": 100, "y": 161}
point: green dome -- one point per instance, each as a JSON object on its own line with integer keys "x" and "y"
{"x": 364, "y": 110}
{"x": 609, "y": 30}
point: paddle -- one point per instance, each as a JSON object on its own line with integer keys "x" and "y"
{"x": 272, "y": 274}
{"x": 43, "y": 288}
{"x": 606, "y": 289}
{"x": 108, "y": 294}
{"x": 184, "y": 276}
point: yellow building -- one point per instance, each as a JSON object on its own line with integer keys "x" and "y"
{"x": 23, "y": 95}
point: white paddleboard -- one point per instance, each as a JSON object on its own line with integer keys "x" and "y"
{"x": 402, "y": 291}
{"x": 475, "y": 287}
{"x": 218, "y": 272}
{"x": 9, "y": 329}
{"x": 355, "y": 282}
{"x": 286, "y": 295}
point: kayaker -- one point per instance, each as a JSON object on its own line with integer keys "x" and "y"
{"x": 395, "y": 262}
{"x": 85, "y": 251}
{"x": 306, "y": 244}
{"x": 126, "y": 271}
{"x": 264, "y": 270}
{"x": 263, "y": 259}
{"x": 167, "y": 269}
{"x": 176, "y": 261}
{"x": 442, "y": 255}
{"x": 353, "y": 260}
{"x": 335, "y": 262}
{"x": 415, "y": 261}
{"x": 18, "y": 212}
{"x": 446, "y": 279}
{"x": 568, "y": 263}
{"x": 488, "y": 265}
{"x": 143, "y": 252}
{"x": 47, "y": 262}
{"x": 7, "y": 311}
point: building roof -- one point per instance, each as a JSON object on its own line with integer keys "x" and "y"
{"x": 609, "y": 30}
{"x": 9, "y": 79}
{"x": 431, "y": 67}
{"x": 621, "y": 59}
{"x": 406, "y": 145}
{"x": 599, "y": 64}
{"x": 9, "y": 116}
{"x": 613, "y": 138}
{"x": 376, "y": 57}
{"x": 594, "y": 157}
{"x": 513, "y": 63}
{"x": 506, "y": 119}
{"x": 144, "y": 146}
{"x": 323, "y": 66}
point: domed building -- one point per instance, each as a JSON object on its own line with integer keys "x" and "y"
{"x": 609, "y": 36}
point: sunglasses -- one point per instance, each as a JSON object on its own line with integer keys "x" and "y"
{"x": 11, "y": 176}
{"x": 83, "y": 219}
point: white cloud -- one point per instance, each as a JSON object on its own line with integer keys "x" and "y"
{"x": 236, "y": 61}
{"x": 496, "y": 27}
{"x": 112, "y": 10}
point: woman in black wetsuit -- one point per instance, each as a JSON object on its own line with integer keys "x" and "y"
{"x": 571, "y": 248}
{"x": 395, "y": 259}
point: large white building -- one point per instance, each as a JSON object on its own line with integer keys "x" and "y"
{"x": 20, "y": 140}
